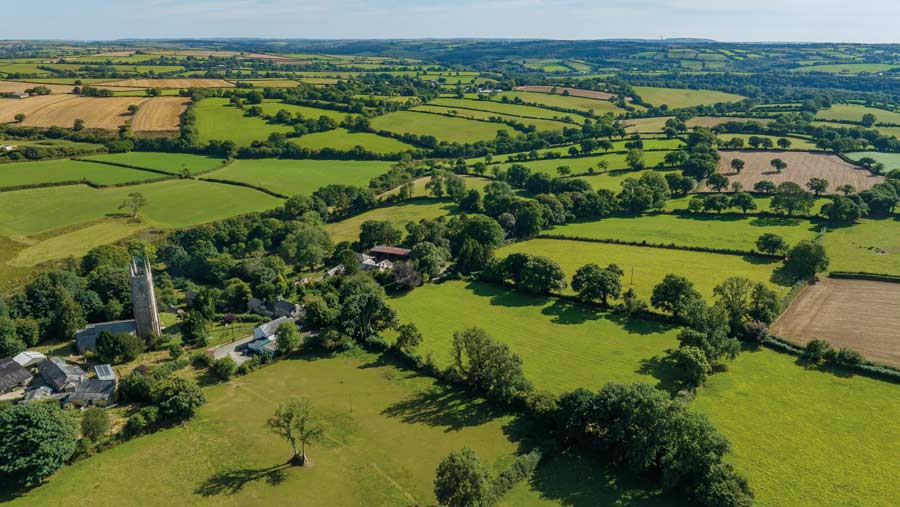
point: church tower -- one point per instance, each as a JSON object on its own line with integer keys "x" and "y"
{"x": 146, "y": 313}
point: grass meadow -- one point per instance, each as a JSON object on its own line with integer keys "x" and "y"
{"x": 645, "y": 267}
{"x": 75, "y": 242}
{"x": 169, "y": 162}
{"x": 890, "y": 160}
{"x": 855, "y": 112}
{"x": 388, "y": 430}
{"x": 692, "y": 230}
{"x": 807, "y": 438}
{"x": 399, "y": 215}
{"x": 51, "y": 171}
{"x": 681, "y": 97}
{"x": 563, "y": 345}
{"x": 173, "y": 203}
{"x": 219, "y": 120}
{"x": 539, "y": 124}
{"x": 583, "y": 104}
{"x": 292, "y": 177}
{"x": 871, "y": 246}
{"x": 443, "y": 128}
{"x": 615, "y": 161}
{"x": 271, "y": 107}
{"x": 506, "y": 109}
{"x": 343, "y": 139}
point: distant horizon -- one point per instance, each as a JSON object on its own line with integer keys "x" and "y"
{"x": 725, "y": 21}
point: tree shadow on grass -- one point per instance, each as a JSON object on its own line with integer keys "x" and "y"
{"x": 768, "y": 221}
{"x": 444, "y": 407}
{"x": 230, "y": 482}
{"x": 501, "y": 296}
{"x": 566, "y": 312}
{"x": 662, "y": 368}
{"x": 576, "y": 481}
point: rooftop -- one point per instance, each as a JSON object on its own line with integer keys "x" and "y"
{"x": 390, "y": 250}
{"x": 12, "y": 374}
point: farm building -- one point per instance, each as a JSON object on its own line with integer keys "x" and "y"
{"x": 104, "y": 372}
{"x": 94, "y": 392}
{"x": 264, "y": 347}
{"x": 393, "y": 253}
{"x": 29, "y": 358}
{"x": 60, "y": 375}
{"x": 12, "y": 375}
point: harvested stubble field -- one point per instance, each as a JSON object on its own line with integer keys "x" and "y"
{"x": 155, "y": 114}
{"x": 170, "y": 83}
{"x": 574, "y": 92}
{"x": 21, "y": 86}
{"x": 859, "y": 314}
{"x": 801, "y": 167}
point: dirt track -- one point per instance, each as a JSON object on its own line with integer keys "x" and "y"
{"x": 862, "y": 315}
{"x": 801, "y": 167}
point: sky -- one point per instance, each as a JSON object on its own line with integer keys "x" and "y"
{"x": 872, "y": 21}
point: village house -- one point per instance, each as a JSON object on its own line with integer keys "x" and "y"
{"x": 29, "y": 358}
{"x": 277, "y": 309}
{"x": 99, "y": 391}
{"x": 392, "y": 253}
{"x": 60, "y": 375}
{"x": 12, "y": 375}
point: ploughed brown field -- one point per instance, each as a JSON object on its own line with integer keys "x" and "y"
{"x": 167, "y": 83}
{"x": 154, "y": 114}
{"x": 859, "y": 314}
{"x": 801, "y": 166}
{"x": 575, "y": 92}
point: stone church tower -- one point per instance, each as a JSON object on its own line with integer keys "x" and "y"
{"x": 146, "y": 313}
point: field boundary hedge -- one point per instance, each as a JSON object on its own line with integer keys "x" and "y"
{"x": 867, "y": 369}
{"x": 858, "y": 275}
{"x": 246, "y": 185}
{"x": 669, "y": 246}
{"x": 127, "y": 166}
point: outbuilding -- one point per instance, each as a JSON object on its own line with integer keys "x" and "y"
{"x": 12, "y": 375}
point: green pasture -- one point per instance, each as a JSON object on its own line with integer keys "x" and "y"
{"x": 388, "y": 430}
{"x": 650, "y": 143}
{"x": 854, "y": 113}
{"x": 443, "y": 128}
{"x": 681, "y": 97}
{"x": 343, "y": 139}
{"x": 506, "y": 109}
{"x": 583, "y": 104}
{"x": 419, "y": 190}
{"x": 169, "y": 162}
{"x": 271, "y": 107}
{"x": 75, "y": 243}
{"x": 762, "y": 204}
{"x": 807, "y": 438}
{"x": 871, "y": 246}
{"x": 645, "y": 267}
{"x": 219, "y": 120}
{"x": 172, "y": 203}
{"x": 399, "y": 215}
{"x": 612, "y": 180}
{"x": 890, "y": 160}
{"x": 615, "y": 161}
{"x": 563, "y": 345}
{"x": 848, "y": 68}
{"x": 292, "y": 177}
{"x": 692, "y": 230}
{"x": 50, "y": 171}
{"x": 796, "y": 143}
{"x": 539, "y": 124}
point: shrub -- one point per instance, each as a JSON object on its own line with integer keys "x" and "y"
{"x": 847, "y": 358}
{"x": 200, "y": 359}
{"x": 756, "y": 332}
{"x": 817, "y": 352}
{"x": 520, "y": 470}
{"x": 225, "y": 368}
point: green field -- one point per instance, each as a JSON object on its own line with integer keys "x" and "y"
{"x": 343, "y": 139}
{"x": 582, "y": 164}
{"x": 689, "y": 230}
{"x": 848, "y": 68}
{"x": 217, "y": 119}
{"x": 169, "y": 162}
{"x": 762, "y": 204}
{"x": 383, "y": 451}
{"x": 563, "y": 345}
{"x": 612, "y": 180}
{"x": 173, "y": 203}
{"x": 419, "y": 190}
{"x": 271, "y": 107}
{"x": 399, "y": 215}
{"x": 443, "y": 128}
{"x": 796, "y": 143}
{"x": 805, "y": 438}
{"x": 890, "y": 160}
{"x": 855, "y": 112}
{"x": 598, "y": 107}
{"x": 292, "y": 177}
{"x": 872, "y": 246}
{"x": 539, "y": 124}
{"x": 50, "y": 171}
{"x": 506, "y": 109}
{"x": 75, "y": 243}
{"x": 681, "y": 97}
{"x": 645, "y": 267}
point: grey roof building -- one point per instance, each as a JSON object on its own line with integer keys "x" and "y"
{"x": 86, "y": 339}
{"x": 94, "y": 392}
{"x": 12, "y": 375}
{"x": 279, "y": 308}
{"x": 29, "y": 358}
{"x": 104, "y": 372}
{"x": 60, "y": 375}
{"x": 268, "y": 329}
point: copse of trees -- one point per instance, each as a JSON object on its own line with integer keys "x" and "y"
{"x": 36, "y": 439}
